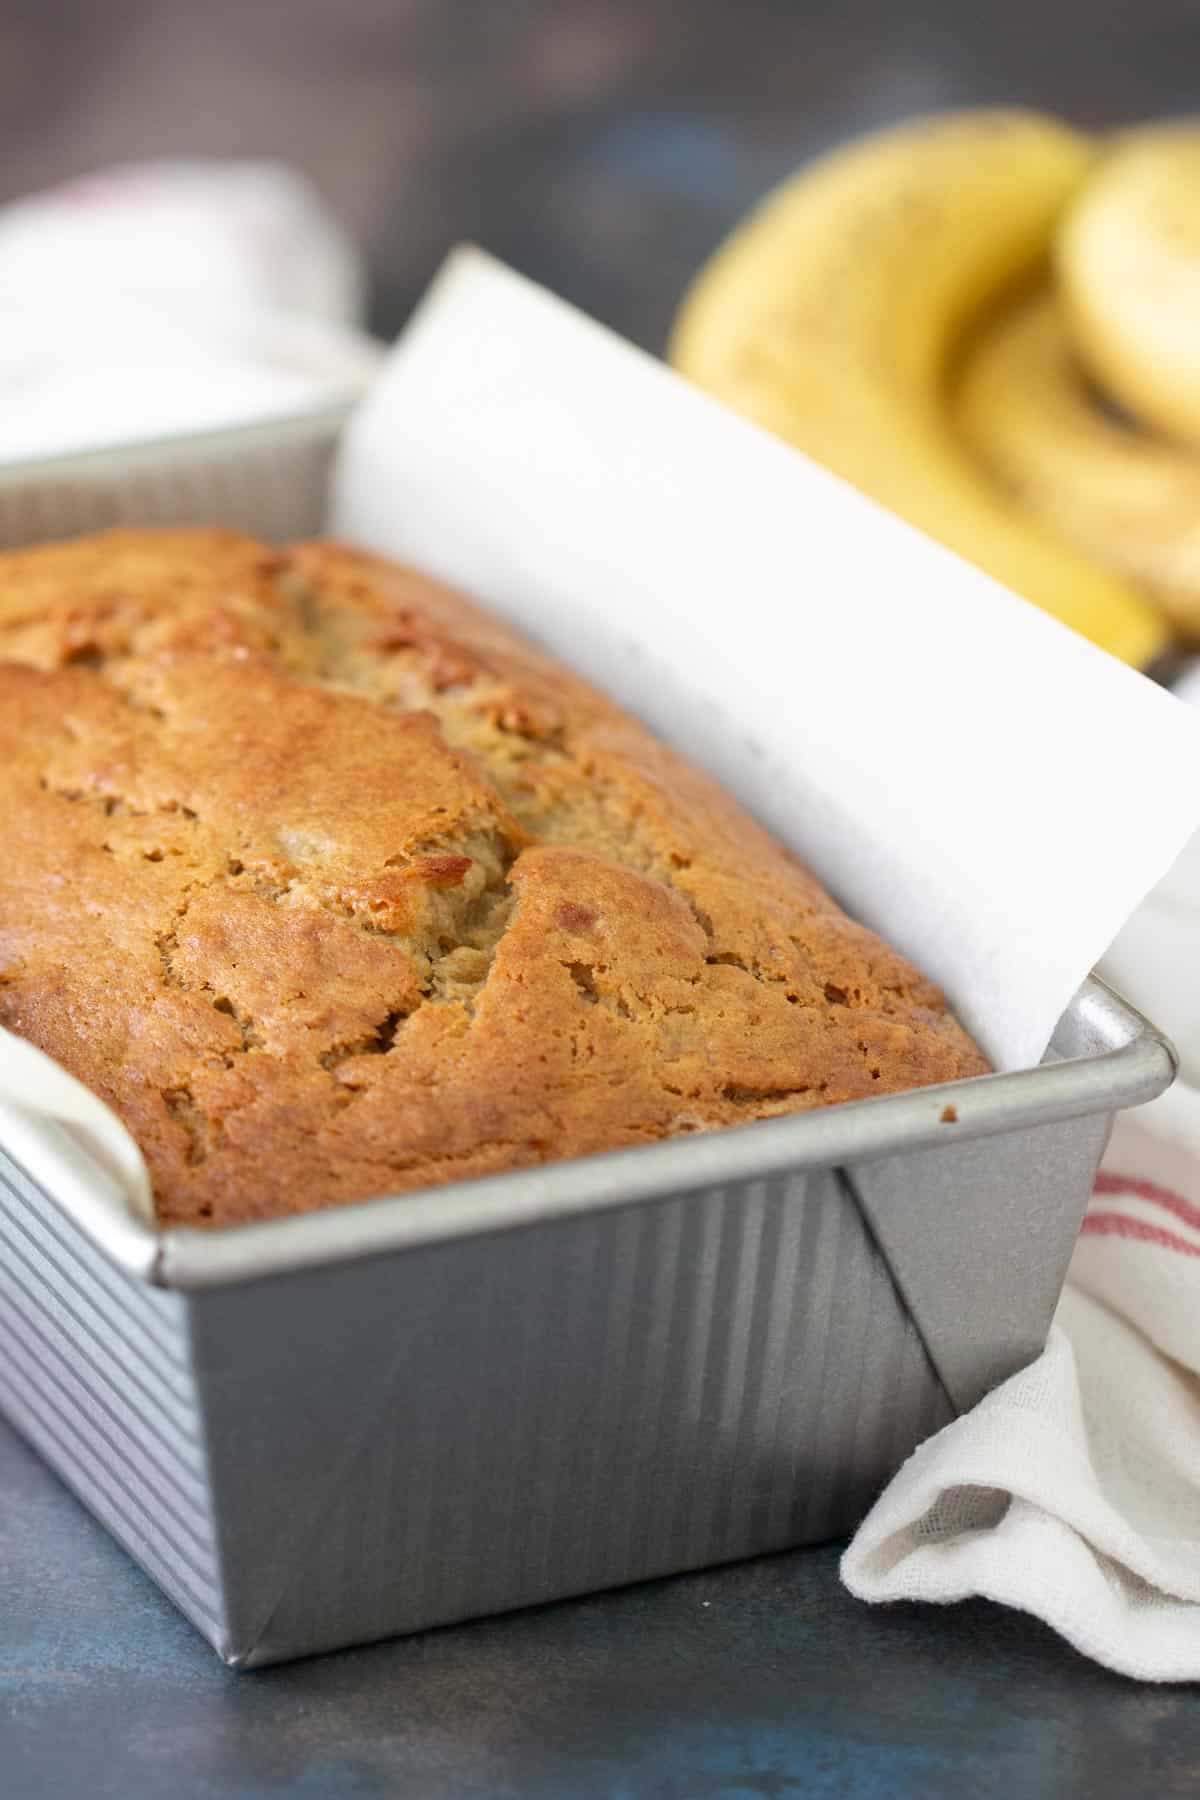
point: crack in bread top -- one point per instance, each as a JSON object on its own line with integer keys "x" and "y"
{"x": 333, "y": 886}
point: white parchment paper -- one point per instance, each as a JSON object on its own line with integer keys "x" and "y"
{"x": 969, "y": 777}
{"x": 35, "y": 1092}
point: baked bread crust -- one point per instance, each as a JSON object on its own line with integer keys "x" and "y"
{"x": 333, "y": 887}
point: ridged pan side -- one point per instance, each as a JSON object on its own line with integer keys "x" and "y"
{"x": 267, "y": 479}
{"x": 94, "y": 1370}
{"x": 612, "y": 1398}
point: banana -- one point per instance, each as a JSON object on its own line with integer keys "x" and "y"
{"x": 832, "y": 314}
{"x": 1126, "y": 498}
{"x": 1128, "y": 261}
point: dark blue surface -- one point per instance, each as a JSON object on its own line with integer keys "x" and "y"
{"x": 762, "y": 1681}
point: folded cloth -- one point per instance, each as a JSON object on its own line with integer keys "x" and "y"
{"x": 233, "y": 235}
{"x": 168, "y": 298}
{"x": 1073, "y": 1490}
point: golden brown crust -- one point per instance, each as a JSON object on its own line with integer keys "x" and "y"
{"x": 334, "y": 887}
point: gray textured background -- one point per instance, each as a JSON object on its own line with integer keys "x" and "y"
{"x": 602, "y": 145}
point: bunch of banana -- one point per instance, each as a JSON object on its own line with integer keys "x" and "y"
{"x": 838, "y": 315}
{"x": 1127, "y": 498}
{"x": 1129, "y": 270}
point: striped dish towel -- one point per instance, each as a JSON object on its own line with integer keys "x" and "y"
{"x": 1073, "y": 1490}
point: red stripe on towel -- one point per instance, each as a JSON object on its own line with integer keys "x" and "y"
{"x": 1108, "y": 1183}
{"x": 1114, "y": 1224}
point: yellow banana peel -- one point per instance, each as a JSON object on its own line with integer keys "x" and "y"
{"x": 1127, "y": 498}
{"x": 1128, "y": 263}
{"x": 833, "y": 314}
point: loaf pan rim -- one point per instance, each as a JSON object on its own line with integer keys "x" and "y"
{"x": 1134, "y": 1063}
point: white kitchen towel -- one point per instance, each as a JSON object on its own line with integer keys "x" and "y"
{"x": 167, "y": 298}
{"x": 232, "y": 235}
{"x": 1073, "y": 1490}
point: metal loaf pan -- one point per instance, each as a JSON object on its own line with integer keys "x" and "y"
{"x": 319, "y": 1431}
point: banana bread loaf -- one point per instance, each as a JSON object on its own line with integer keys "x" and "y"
{"x": 332, "y": 887}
